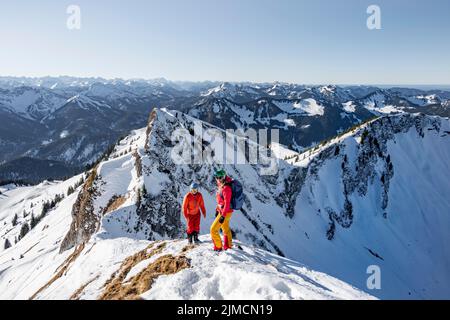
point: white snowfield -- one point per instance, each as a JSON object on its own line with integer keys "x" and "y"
{"x": 422, "y": 100}
{"x": 398, "y": 221}
{"x": 309, "y": 107}
{"x": 29, "y": 101}
{"x": 247, "y": 273}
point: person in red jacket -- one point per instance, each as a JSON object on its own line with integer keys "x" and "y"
{"x": 223, "y": 212}
{"x": 193, "y": 205}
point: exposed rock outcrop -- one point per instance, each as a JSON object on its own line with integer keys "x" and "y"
{"x": 85, "y": 220}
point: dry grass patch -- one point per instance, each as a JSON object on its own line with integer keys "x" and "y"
{"x": 143, "y": 281}
{"x": 115, "y": 282}
{"x": 116, "y": 289}
{"x": 76, "y": 295}
{"x": 114, "y": 203}
{"x": 61, "y": 270}
{"x": 188, "y": 248}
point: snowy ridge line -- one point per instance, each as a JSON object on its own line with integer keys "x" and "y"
{"x": 354, "y": 131}
{"x": 312, "y": 152}
{"x": 250, "y": 141}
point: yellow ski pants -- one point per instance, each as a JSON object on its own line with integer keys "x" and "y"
{"x": 215, "y": 234}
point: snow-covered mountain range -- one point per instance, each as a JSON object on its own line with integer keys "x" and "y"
{"x": 72, "y": 121}
{"x": 372, "y": 196}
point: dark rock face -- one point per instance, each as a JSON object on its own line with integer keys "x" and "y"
{"x": 85, "y": 220}
{"x": 292, "y": 188}
{"x": 160, "y": 215}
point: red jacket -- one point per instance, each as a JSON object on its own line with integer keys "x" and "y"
{"x": 223, "y": 197}
{"x": 192, "y": 204}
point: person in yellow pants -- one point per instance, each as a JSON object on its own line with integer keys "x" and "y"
{"x": 227, "y": 237}
{"x": 223, "y": 212}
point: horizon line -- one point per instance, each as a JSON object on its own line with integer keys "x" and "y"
{"x": 228, "y": 81}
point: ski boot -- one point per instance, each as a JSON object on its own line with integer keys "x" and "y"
{"x": 196, "y": 239}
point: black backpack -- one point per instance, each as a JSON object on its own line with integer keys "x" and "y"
{"x": 237, "y": 195}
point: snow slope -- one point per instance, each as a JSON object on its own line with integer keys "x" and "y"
{"x": 401, "y": 222}
{"x": 238, "y": 274}
{"x": 247, "y": 273}
{"x": 31, "y": 103}
{"x": 27, "y": 271}
{"x": 309, "y": 107}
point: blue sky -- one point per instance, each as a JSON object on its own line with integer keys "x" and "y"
{"x": 311, "y": 42}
